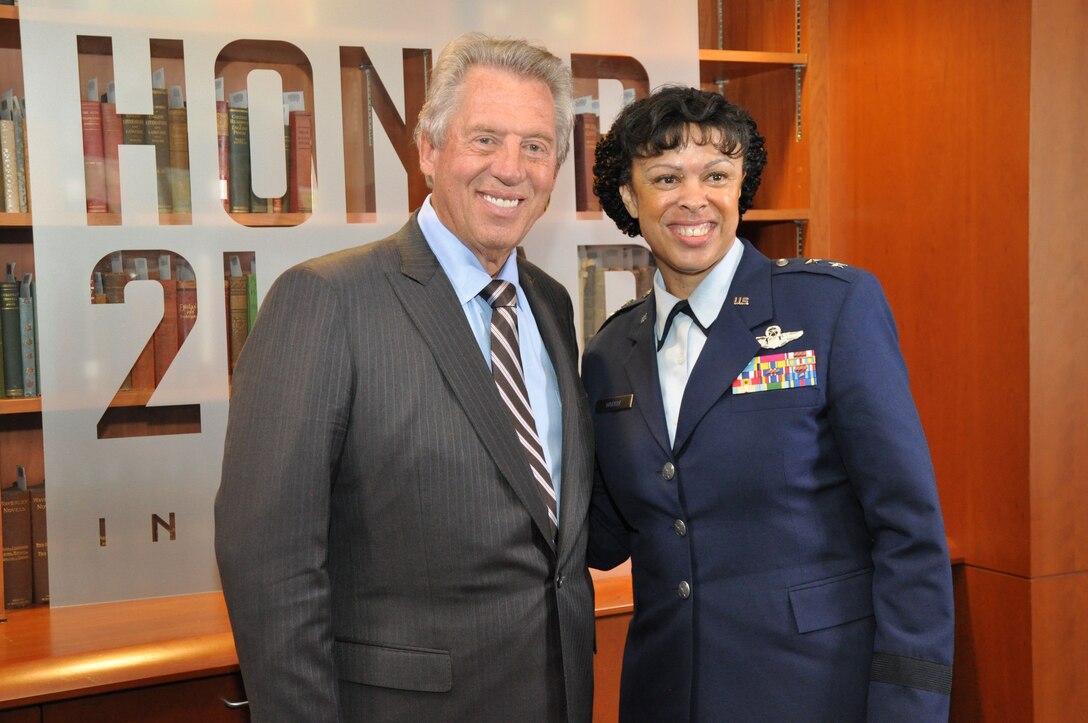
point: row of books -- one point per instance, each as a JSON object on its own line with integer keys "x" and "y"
{"x": 19, "y": 375}
{"x": 25, "y": 542}
{"x": 14, "y": 159}
{"x": 167, "y": 130}
{"x": 236, "y": 189}
{"x": 179, "y": 307}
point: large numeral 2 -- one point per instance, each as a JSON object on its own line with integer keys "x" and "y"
{"x": 128, "y": 414}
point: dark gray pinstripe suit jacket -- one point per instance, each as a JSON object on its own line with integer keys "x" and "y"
{"x": 378, "y": 532}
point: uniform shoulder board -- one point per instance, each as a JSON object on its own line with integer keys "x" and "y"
{"x": 625, "y": 308}
{"x": 814, "y": 266}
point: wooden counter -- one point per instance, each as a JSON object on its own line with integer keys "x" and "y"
{"x": 49, "y": 655}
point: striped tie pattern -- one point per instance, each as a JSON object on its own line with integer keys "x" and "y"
{"x": 510, "y": 380}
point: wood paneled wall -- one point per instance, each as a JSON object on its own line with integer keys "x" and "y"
{"x": 957, "y": 167}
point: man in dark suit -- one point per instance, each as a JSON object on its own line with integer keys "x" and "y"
{"x": 760, "y": 457}
{"x": 395, "y": 544}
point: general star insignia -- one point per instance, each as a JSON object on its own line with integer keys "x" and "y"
{"x": 774, "y": 337}
{"x": 813, "y": 261}
{"x": 838, "y": 265}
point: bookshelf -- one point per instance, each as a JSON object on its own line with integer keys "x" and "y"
{"x": 20, "y": 419}
{"x": 765, "y": 56}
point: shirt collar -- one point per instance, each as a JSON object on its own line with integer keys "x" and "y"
{"x": 709, "y": 296}
{"x": 463, "y": 269}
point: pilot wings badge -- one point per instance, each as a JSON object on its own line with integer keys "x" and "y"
{"x": 774, "y": 337}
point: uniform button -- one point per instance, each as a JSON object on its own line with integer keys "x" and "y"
{"x": 668, "y": 471}
{"x": 680, "y": 527}
{"x": 684, "y": 590}
{"x": 559, "y": 581}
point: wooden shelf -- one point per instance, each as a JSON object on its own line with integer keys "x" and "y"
{"x": 775, "y": 215}
{"x": 9, "y": 28}
{"x": 21, "y": 406}
{"x": 727, "y": 64}
{"x": 184, "y": 219}
{"x": 31, "y": 405}
{"x": 13, "y": 219}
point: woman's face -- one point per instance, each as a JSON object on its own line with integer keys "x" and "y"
{"x": 687, "y": 204}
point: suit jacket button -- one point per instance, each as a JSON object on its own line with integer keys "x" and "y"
{"x": 668, "y": 471}
{"x": 684, "y": 590}
{"x": 680, "y": 527}
{"x": 559, "y": 581}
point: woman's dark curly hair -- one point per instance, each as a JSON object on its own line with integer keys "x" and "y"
{"x": 659, "y": 123}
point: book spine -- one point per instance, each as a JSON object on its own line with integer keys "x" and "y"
{"x": 7, "y": 166}
{"x": 26, "y": 163}
{"x": 20, "y": 156}
{"x": 222, "y": 128}
{"x": 29, "y": 349}
{"x": 134, "y": 129}
{"x": 300, "y": 167}
{"x": 113, "y": 285}
{"x": 18, "y": 568}
{"x": 180, "y": 193}
{"x": 238, "y": 123}
{"x": 94, "y": 163}
{"x": 166, "y": 334}
{"x": 239, "y": 317}
{"x": 186, "y": 308}
{"x": 251, "y": 300}
{"x": 283, "y": 203}
{"x": 586, "y": 131}
{"x": 143, "y": 371}
{"x": 13, "y": 339}
{"x": 112, "y": 137}
{"x": 158, "y": 135}
{"x": 39, "y": 544}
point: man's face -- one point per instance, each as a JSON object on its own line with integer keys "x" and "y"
{"x": 494, "y": 174}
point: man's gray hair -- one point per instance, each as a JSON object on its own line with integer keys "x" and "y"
{"x": 519, "y": 57}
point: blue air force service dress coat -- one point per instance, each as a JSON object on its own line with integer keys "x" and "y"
{"x": 788, "y": 553}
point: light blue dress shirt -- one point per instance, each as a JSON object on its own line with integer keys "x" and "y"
{"x": 685, "y": 341}
{"x": 468, "y": 278}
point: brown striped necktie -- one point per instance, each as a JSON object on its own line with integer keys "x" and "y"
{"x": 510, "y": 380}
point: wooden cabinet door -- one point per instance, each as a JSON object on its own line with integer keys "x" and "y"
{"x": 191, "y": 700}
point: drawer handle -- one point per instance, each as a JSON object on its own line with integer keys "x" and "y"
{"x": 235, "y": 704}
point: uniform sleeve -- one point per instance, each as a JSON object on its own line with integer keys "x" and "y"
{"x": 882, "y": 444}
{"x": 609, "y": 537}
{"x": 288, "y": 414}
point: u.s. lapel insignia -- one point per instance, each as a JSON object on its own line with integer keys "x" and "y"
{"x": 774, "y": 337}
{"x": 740, "y": 301}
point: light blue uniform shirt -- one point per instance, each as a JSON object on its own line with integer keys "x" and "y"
{"x": 685, "y": 341}
{"x": 468, "y": 278}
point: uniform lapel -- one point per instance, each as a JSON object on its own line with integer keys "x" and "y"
{"x": 731, "y": 343}
{"x": 429, "y": 300}
{"x": 641, "y": 366}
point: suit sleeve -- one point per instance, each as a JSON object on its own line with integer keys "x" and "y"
{"x": 288, "y": 414}
{"x": 880, "y": 438}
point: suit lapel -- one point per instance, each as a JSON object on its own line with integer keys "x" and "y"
{"x": 429, "y": 300}
{"x": 547, "y": 310}
{"x": 731, "y": 343}
{"x": 641, "y": 367}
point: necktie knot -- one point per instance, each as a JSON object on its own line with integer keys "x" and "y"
{"x": 500, "y": 293}
{"x": 682, "y": 306}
